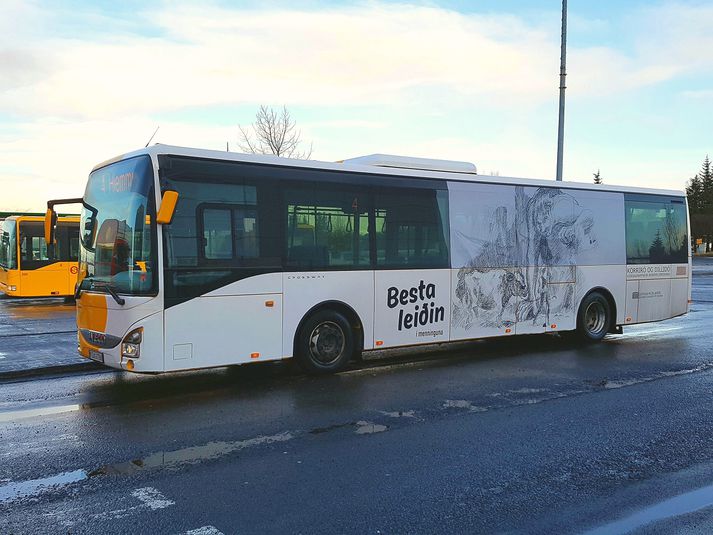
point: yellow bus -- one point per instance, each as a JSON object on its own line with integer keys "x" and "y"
{"x": 28, "y": 267}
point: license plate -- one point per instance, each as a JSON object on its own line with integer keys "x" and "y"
{"x": 96, "y": 355}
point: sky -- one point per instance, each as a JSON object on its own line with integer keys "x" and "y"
{"x": 82, "y": 82}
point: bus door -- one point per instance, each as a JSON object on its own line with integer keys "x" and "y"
{"x": 67, "y": 252}
{"x": 412, "y": 301}
{"x": 227, "y": 322}
{"x": 40, "y": 274}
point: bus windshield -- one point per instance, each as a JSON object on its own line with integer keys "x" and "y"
{"x": 117, "y": 229}
{"x": 8, "y": 245}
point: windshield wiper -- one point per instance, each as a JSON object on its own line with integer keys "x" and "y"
{"x": 104, "y": 286}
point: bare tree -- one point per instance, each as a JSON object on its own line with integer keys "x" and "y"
{"x": 273, "y": 132}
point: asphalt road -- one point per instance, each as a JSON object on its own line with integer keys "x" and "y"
{"x": 531, "y": 434}
{"x": 37, "y": 334}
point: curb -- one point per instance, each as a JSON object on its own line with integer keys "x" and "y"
{"x": 52, "y": 370}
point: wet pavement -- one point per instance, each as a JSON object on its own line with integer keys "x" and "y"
{"x": 38, "y": 335}
{"x": 532, "y": 434}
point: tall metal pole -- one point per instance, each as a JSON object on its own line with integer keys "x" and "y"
{"x": 563, "y": 74}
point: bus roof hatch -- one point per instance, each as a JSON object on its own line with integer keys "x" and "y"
{"x": 408, "y": 162}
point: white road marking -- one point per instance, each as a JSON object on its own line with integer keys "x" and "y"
{"x": 152, "y": 498}
{"x": 22, "y": 489}
{"x": 462, "y": 404}
{"x": 365, "y": 428}
{"x": 149, "y": 497}
{"x": 528, "y": 391}
{"x": 11, "y": 416}
{"x": 673, "y": 373}
{"x": 399, "y": 414}
{"x": 205, "y": 530}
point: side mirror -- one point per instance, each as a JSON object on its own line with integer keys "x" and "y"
{"x": 50, "y": 223}
{"x": 167, "y": 208}
{"x": 51, "y": 216}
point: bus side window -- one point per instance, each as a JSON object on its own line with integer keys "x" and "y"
{"x": 327, "y": 226}
{"x": 656, "y": 230}
{"x": 33, "y": 249}
{"x": 410, "y": 229}
{"x": 217, "y": 234}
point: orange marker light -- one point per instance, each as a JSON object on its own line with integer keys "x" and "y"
{"x": 508, "y": 331}
{"x": 379, "y": 342}
{"x": 254, "y": 355}
{"x": 130, "y": 365}
{"x": 628, "y": 319}
{"x": 553, "y": 326}
{"x": 269, "y": 304}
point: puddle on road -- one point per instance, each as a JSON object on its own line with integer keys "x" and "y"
{"x": 671, "y": 508}
{"x": 163, "y": 459}
{"x": 11, "y": 416}
{"x": 647, "y": 331}
{"x": 190, "y": 455}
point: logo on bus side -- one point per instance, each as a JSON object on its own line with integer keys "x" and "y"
{"x": 422, "y": 298}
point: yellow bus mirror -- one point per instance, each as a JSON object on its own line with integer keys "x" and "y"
{"x": 50, "y": 222}
{"x": 168, "y": 206}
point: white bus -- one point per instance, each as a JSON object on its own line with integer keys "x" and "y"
{"x": 193, "y": 258}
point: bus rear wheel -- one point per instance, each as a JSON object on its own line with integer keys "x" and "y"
{"x": 325, "y": 343}
{"x": 593, "y": 318}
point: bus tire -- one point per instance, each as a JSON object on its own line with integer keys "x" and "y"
{"x": 594, "y": 317}
{"x": 325, "y": 343}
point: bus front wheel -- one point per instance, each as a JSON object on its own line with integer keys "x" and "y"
{"x": 594, "y": 317}
{"x": 325, "y": 343}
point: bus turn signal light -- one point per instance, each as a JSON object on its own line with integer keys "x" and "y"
{"x": 254, "y": 355}
{"x": 130, "y": 365}
{"x": 269, "y": 304}
{"x": 379, "y": 342}
{"x": 508, "y": 331}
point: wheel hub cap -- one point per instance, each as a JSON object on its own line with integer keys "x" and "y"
{"x": 326, "y": 343}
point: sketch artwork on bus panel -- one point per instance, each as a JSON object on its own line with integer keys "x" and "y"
{"x": 513, "y": 226}
{"x": 488, "y": 301}
{"x": 512, "y": 245}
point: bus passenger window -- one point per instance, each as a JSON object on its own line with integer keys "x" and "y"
{"x": 656, "y": 231}
{"x": 327, "y": 228}
{"x": 246, "y": 232}
{"x": 217, "y": 234}
{"x": 409, "y": 229}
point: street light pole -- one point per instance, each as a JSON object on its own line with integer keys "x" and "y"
{"x": 563, "y": 74}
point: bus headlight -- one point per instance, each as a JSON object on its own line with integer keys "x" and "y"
{"x": 131, "y": 344}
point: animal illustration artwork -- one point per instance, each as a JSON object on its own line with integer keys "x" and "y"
{"x": 524, "y": 270}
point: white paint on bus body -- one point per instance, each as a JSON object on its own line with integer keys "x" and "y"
{"x": 502, "y": 280}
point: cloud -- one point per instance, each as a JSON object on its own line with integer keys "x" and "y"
{"x": 84, "y": 85}
{"x": 371, "y": 54}
{"x": 368, "y": 54}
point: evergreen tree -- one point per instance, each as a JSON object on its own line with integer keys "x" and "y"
{"x": 705, "y": 175}
{"x": 700, "y": 203}
{"x": 598, "y": 177}
{"x": 657, "y": 251}
{"x": 694, "y": 191}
